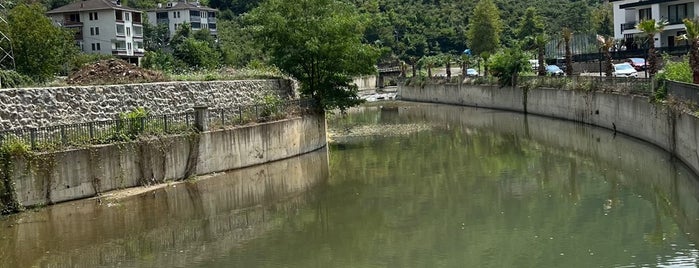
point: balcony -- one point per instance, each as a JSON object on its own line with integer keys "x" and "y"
{"x": 120, "y": 51}
{"x": 673, "y": 21}
{"x": 629, "y": 25}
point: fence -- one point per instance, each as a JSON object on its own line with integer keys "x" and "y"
{"x": 125, "y": 129}
{"x": 627, "y": 85}
{"x": 686, "y": 91}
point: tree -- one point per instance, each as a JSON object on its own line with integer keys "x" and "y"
{"x": 539, "y": 42}
{"x": 531, "y": 24}
{"x": 197, "y": 54}
{"x": 485, "y": 27}
{"x": 692, "y": 36}
{"x": 319, "y": 42}
{"x": 605, "y": 44}
{"x": 40, "y": 48}
{"x": 651, "y": 28}
{"x": 237, "y": 44}
{"x": 566, "y": 37}
{"x": 155, "y": 37}
{"x": 506, "y": 65}
{"x": 429, "y": 62}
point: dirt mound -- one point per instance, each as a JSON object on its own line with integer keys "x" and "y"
{"x": 113, "y": 71}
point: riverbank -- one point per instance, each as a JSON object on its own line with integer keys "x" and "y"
{"x": 667, "y": 127}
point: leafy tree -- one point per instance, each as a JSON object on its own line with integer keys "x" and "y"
{"x": 485, "y": 27}
{"x": 650, "y": 28}
{"x": 429, "y": 62}
{"x": 507, "y": 63}
{"x": 606, "y": 43}
{"x": 40, "y": 48}
{"x": 197, "y": 54}
{"x": 162, "y": 61}
{"x": 532, "y": 24}
{"x": 603, "y": 19}
{"x": 155, "y": 37}
{"x": 237, "y": 43}
{"x": 319, "y": 42}
{"x": 692, "y": 36}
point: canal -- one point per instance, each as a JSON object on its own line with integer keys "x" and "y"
{"x": 401, "y": 185}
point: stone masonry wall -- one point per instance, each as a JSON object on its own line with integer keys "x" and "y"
{"x": 40, "y": 107}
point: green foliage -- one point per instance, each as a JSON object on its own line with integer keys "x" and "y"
{"x": 197, "y": 54}
{"x": 531, "y": 24}
{"x": 12, "y": 79}
{"x": 155, "y": 37}
{"x": 40, "y": 48}
{"x": 507, "y": 64}
{"x": 132, "y": 124}
{"x": 237, "y": 44}
{"x": 485, "y": 28}
{"x": 319, "y": 42}
{"x": 162, "y": 61}
{"x": 271, "y": 107}
{"x": 680, "y": 71}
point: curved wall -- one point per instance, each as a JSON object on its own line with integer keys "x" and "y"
{"x": 67, "y": 175}
{"x": 674, "y": 131}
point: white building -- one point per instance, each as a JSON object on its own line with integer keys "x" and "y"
{"x": 177, "y": 13}
{"x": 103, "y": 27}
{"x": 627, "y": 14}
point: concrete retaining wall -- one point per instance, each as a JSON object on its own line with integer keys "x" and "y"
{"x": 61, "y": 176}
{"x": 39, "y": 107}
{"x": 673, "y": 131}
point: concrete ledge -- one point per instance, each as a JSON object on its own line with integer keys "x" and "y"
{"x": 671, "y": 130}
{"x": 54, "y": 177}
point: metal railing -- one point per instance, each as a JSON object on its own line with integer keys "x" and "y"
{"x": 127, "y": 129}
{"x": 626, "y": 85}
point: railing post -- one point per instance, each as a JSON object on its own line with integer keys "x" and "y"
{"x": 201, "y": 118}
{"x": 64, "y": 139}
{"x": 32, "y": 138}
{"x": 165, "y": 123}
{"x": 223, "y": 118}
{"x": 91, "y": 125}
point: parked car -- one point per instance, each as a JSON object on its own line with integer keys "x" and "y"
{"x": 639, "y": 64}
{"x": 471, "y": 72}
{"x": 624, "y": 70}
{"x": 554, "y": 70}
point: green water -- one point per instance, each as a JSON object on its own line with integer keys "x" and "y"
{"x": 410, "y": 185}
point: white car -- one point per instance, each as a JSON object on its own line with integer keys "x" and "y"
{"x": 624, "y": 70}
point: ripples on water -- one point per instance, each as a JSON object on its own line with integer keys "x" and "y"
{"x": 414, "y": 186}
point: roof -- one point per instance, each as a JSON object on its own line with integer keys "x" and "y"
{"x": 89, "y": 5}
{"x": 645, "y": 2}
{"x": 183, "y": 6}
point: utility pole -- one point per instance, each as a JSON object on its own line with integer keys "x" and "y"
{"x": 7, "y": 57}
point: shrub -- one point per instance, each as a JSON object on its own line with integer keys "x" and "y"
{"x": 12, "y": 79}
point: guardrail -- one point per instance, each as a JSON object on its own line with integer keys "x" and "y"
{"x": 126, "y": 129}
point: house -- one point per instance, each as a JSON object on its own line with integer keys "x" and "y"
{"x": 103, "y": 27}
{"x": 177, "y": 13}
{"x": 627, "y": 14}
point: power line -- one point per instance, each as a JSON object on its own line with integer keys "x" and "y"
{"x": 7, "y": 58}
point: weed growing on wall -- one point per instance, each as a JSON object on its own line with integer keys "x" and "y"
{"x": 10, "y": 150}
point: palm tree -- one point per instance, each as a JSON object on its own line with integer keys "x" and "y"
{"x": 606, "y": 43}
{"x": 692, "y": 35}
{"x": 567, "y": 36}
{"x": 539, "y": 42}
{"x": 651, "y": 28}
{"x": 464, "y": 60}
{"x": 429, "y": 62}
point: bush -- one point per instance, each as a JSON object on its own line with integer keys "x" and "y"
{"x": 673, "y": 70}
{"x": 507, "y": 64}
{"x": 12, "y": 79}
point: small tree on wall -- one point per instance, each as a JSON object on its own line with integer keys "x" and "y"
{"x": 605, "y": 44}
{"x": 651, "y": 28}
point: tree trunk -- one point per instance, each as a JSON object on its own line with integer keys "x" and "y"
{"x": 694, "y": 61}
{"x": 542, "y": 67}
{"x": 448, "y": 70}
{"x": 608, "y": 62}
{"x": 569, "y": 59}
{"x": 412, "y": 65}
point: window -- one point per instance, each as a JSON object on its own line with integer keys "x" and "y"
{"x": 678, "y": 12}
{"x": 98, "y": 46}
{"x": 128, "y": 31}
{"x": 92, "y": 31}
{"x": 96, "y": 16}
{"x": 127, "y": 15}
{"x": 129, "y": 46}
{"x": 120, "y": 29}
{"x": 644, "y": 14}
{"x": 93, "y": 16}
{"x": 93, "y": 46}
{"x": 97, "y": 30}
{"x": 74, "y": 17}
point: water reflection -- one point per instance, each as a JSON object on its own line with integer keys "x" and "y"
{"x": 176, "y": 226}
